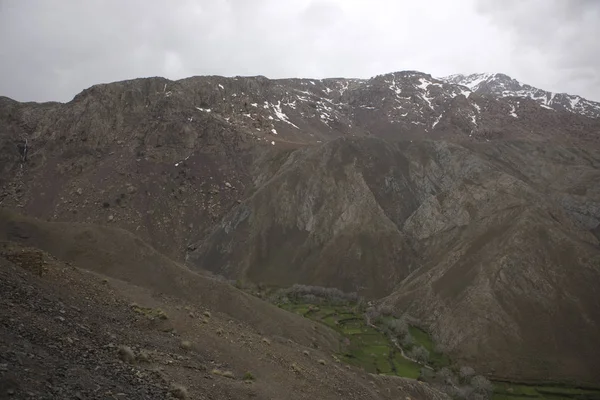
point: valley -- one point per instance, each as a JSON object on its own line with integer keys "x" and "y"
{"x": 399, "y": 236}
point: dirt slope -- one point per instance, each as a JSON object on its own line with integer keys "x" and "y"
{"x": 63, "y": 330}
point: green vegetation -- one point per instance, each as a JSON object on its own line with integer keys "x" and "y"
{"x": 436, "y": 359}
{"x": 363, "y": 345}
{"x": 509, "y": 391}
{"x": 378, "y": 347}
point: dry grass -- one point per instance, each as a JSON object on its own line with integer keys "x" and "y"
{"x": 185, "y": 345}
{"x": 225, "y": 374}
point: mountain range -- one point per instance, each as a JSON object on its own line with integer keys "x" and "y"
{"x": 469, "y": 204}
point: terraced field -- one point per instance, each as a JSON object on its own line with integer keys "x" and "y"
{"x": 363, "y": 346}
{"x": 367, "y": 347}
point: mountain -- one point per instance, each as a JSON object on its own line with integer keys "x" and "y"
{"x": 501, "y": 85}
{"x": 475, "y": 214}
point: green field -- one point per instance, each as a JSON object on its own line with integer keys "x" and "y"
{"x": 365, "y": 347}
{"x": 370, "y": 349}
{"x": 509, "y": 391}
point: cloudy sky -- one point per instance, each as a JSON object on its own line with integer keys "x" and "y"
{"x": 53, "y": 49}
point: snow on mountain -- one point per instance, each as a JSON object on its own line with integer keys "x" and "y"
{"x": 502, "y": 85}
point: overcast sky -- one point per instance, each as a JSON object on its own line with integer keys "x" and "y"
{"x": 53, "y": 49}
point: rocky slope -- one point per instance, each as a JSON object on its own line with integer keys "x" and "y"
{"x": 477, "y": 214}
{"x": 73, "y": 332}
{"x": 454, "y": 235}
{"x": 501, "y": 85}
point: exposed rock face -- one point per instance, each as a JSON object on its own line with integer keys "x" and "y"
{"x": 475, "y": 213}
{"x": 501, "y": 85}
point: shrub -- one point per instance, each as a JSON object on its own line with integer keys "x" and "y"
{"x": 482, "y": 385}
{"x": 406, "y": 341}
{"x": 315, "y": 295}
{"x": 248, "y": 376}
{"x": 322, "y": 362}
{"x": 372, "y": 314}
{"x": 446, "y": 376}
{"x": 186, "y": 345}
{"x": 179, "y": 392}
{"x": 466, "y": 373}
{"x": 426, "y": 375}
{"x": 228, "y": 374}
{"x": 143, "y": 356}
{"x": 398, "y": 327}
{"x": 225, "y": 374}
{"x": 419, "y": 353}
{"x": 126, "y": 354}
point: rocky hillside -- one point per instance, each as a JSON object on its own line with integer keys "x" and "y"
{"x": 477, "y": 214}
{"x": 74, "y": 325}
{"x": 464, "y": 238}
{"x": 501, "y": 85}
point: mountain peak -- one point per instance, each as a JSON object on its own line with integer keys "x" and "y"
{"x": 502, "y": 85}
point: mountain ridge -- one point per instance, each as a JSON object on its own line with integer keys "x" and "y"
{"x": 402, "y": 187}
{"x": 502, "y": 85}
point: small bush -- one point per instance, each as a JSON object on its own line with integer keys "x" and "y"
{"x": 322, "y": 362}
{"x": 126, "y": 354}
{"x": 178, "y": 391}
{"x": 419, "y": 353}
{"x": 466, "y": 373}
{"x": 446, "y": 376}
{"x": 248, "y": 376}
{"x": 371, "y": 315}
{"x": 207, "y": 314}
{"x": 266, "y": 341}
{"x": 306, "y": 353}
{"x": 225, "y": 374}
{"x": 407, "y": 341}
{"x": 482, "y": 385}
{"x": 185, "y": 345}
{"x": 426, "y": 375}
{"x": 143, "y": 356}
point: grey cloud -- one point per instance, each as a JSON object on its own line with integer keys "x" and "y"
{"x": 52, "y": 49}
{"x": 564, "y": 34}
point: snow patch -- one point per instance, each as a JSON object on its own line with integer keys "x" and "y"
{"x": 254, "y": 104}
{"x": 574, "y": 101}
{"x": 221, "y": 86}
{"x": 274, "y": 131}
{"x": 281, "y": 115}
{"x": 423, "y": 84}
{"x": 437, "y": 120}
{"x": 204, "y": 109}
{"x": 273, "y": 143}
{"x": 512, "y": 111}
{"x": 185, "y": 159}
